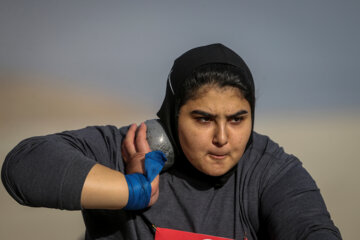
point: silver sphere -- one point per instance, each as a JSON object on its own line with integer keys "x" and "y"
{"x": 158, "y": 140}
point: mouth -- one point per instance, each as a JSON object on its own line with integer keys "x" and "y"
{"x": 218, "y": 156}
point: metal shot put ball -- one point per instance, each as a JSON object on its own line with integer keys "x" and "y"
{"x": 158, "y": 140}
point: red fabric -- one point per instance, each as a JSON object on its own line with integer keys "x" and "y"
{"x": 170, "y": 234}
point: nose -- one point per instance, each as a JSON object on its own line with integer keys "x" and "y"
{"x": 220, "y": 135}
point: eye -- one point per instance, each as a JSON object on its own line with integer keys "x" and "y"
{"x": 237, "y": 119}
{"x": 203, "y": 119}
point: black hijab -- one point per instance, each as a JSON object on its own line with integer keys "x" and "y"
{"x": 183, "y": 67}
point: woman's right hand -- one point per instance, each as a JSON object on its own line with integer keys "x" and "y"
{"x": 133, "y": 149}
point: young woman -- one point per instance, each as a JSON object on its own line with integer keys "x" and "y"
{"x": 227, "y": 181}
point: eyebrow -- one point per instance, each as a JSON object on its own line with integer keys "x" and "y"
{"x": 206, "y": 114}
{"x": 239, "y": 113}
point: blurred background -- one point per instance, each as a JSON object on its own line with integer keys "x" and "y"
{"x": 70, "y": 64}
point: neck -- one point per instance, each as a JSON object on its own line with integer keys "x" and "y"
{"x": 199, "y": 179}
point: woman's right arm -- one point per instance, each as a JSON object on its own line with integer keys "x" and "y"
{"x": 70, "y": 170}
{"x": 105, "y": 188}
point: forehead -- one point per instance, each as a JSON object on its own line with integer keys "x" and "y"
{"x": 214, "y": 98}
{"x": 212, "y": 89}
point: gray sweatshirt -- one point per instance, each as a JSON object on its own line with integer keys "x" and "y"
{"x": 269, "y": 195}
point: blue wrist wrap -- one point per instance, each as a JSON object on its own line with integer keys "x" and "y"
{"x": 140, "y": 185}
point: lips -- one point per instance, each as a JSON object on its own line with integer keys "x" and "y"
{"x": 218, "y": 155}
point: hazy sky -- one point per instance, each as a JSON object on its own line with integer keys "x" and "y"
{"x": 304, "y": 55}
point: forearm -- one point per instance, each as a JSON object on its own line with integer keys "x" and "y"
{"x": 104, "y": 188}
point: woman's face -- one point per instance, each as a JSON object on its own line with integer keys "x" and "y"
{"x": 214, "y": 129}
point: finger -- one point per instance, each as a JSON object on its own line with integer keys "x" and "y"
{"x": 141, "y": 143}
{"x": 128, "y": 142}
{"x": 124, "y": 153}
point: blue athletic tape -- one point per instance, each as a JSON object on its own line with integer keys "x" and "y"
{"x": 154, "y": 162}
{"x": 140, "y": 185}
{"x": 139, "y": 191}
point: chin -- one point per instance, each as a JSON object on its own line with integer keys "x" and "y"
{"x": 215, "y": 172}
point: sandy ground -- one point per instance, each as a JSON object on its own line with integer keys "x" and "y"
{"x": 325, "y": 142}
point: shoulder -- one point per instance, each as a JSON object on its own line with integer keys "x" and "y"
{"x": 264, "y": 145}
{"x": 266, "y": 160}
{"x": 263, "y": 148}
{"x": 288, "y": 195}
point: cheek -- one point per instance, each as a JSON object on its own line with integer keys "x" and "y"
{"x": 240, "y": 138}
{"x": 192, "y": 141}
{"x": 183, "y": 138}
